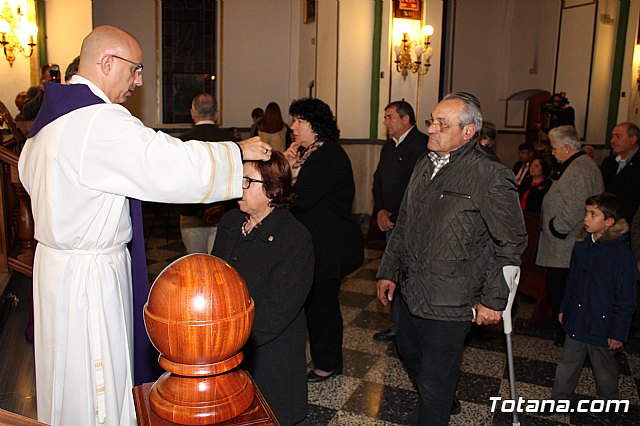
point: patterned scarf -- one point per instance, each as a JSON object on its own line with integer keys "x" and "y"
{"x": 438, "y": 162}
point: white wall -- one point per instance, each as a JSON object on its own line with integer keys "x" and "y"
{"x": 139, "y": 18}
{"x": 14, "y": 80}
{"x": 573, "y": 71}
{"x": 68, "y": 22}
{"x": 259, "y": 55}
{"x": 327, "y": 52}
{"x": 501, "y": 48}
{"x": 307, "y": 54}
{"x": 355, "y": 29}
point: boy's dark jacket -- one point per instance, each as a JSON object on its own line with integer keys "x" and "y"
{"x": 600, "y": 298}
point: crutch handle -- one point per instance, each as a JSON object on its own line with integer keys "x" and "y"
{"x": 512, "y": 277}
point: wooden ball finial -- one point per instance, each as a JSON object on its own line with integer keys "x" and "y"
{"x": 199, "y": 316}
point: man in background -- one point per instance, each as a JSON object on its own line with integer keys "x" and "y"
{"x": 455, "y": 248}
{"x": 526, "y": 154}
{"x": 198, "y": 222}
{"x": 35, "y": 94}
{"x": 621, "y": 170}
{"x": 256, "y": 114}
{"x": 398, "y": 157}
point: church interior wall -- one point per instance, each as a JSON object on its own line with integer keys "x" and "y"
{"x": 68, "y": 22}
{"x": 140, "y": 19}
{"x": 256, "y": 48}
{"x": 267, "y": 53}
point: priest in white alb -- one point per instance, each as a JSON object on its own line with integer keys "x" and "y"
{"x": 86, "y": 157}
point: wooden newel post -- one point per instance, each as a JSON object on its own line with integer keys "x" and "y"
{"x": 199, "y": 316}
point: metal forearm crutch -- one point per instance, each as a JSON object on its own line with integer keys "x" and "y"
{"x": 512, "y": 277}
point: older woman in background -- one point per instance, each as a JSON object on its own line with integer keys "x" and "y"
{"x": 274, "y": 254}
{"x": 577, "y": 178}
{"x": 324, "y": 189}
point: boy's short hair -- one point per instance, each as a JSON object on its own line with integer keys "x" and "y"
{"x": 527, "y": 146}
{"x": 257, "y": 112}
{"x": 608, "y": 203}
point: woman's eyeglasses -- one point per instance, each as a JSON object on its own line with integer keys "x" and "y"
{"x": 247, "y": 181}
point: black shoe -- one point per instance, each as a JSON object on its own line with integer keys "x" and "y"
{"x": 456, "y": 407}
{"x": 385, "y": 336}
{"x": 312, "y": 377}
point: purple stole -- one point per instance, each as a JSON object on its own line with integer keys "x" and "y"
{"x": 61, "y": 99}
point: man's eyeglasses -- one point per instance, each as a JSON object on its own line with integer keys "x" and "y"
{"x": 247, "y": 181}
{"x": 137, "y": 67}
{"x": 438, "y": 125}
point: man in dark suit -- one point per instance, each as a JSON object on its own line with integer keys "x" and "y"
{"x": 399, "y": 155}
{"x": 197, "y": 221}
{"x": 621, "y": 171}
{"x": 526, "y": 153}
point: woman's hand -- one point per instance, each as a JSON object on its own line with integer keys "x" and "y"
{"x": 292, "y": 154}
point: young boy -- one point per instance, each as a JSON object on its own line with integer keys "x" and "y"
{"x": 600, "y": 299}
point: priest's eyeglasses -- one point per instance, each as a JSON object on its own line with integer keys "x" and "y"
{"x": 137, "y": 67}
{"x": 247, "y": 181}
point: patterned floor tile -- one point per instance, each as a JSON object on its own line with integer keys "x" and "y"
{"x": 375, "y": 388}
{"x": 372, "y": 321}
{"x": 382, "y": 402}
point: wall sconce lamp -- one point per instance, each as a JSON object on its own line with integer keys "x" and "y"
{"x": 17, "y": 34}
{"x": 422, "y": 51}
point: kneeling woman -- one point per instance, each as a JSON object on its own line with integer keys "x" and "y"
{"x": 274, "y": 254}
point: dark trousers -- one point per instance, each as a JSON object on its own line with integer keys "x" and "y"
{"x": 324, "y": 323}
{"x": 604, "y": 365}
{"x": 432, "y": 352}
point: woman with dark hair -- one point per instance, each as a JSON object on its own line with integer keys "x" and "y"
{"x": 324, "y": 189}
{"x": 531, "y": 195}
{"x": 272, "y": 129}
{"x": 274, "y": 254}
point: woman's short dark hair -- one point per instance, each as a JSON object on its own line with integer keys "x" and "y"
{"x": 546, "y": 167}
{"x": 276, "y": 175}
{"x": 319, "y": 115}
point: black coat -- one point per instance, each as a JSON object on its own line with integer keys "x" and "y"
{"x": 625, "y": 184}
{"x": 324, "y": 197}
{"x": 394, "y": 169}
{"x": 276, "y": 262}
{"x": 206, "y": 133}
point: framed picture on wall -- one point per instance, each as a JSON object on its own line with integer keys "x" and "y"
{"x": 309, "y": 14}
{"x": 407, "y": 9}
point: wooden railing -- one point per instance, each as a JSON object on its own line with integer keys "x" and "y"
{"x": 17, "y": 245}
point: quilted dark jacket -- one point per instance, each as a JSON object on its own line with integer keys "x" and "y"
{"x": 454, "y": 234}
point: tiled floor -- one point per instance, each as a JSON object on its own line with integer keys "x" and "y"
{"x": 374, "y": 388}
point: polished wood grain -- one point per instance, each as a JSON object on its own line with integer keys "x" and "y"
{"x": 258, "y": 413}
{"x": 199, "y": 316}
{"x": 7, "y": 418}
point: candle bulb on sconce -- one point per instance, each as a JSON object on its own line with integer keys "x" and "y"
{"x": 17, "y": 34}
{"x": 407, "y": 49}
